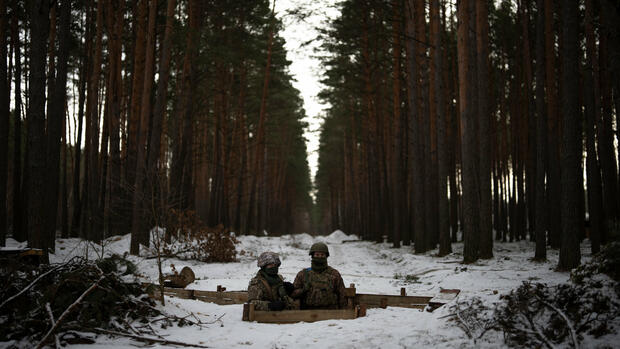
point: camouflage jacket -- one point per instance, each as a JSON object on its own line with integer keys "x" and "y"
{"x": 320, "y": 290}
{"x": 260, "y": 293}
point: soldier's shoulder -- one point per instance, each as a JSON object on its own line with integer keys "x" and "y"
{"x": 333, "y": 271}
{"x": 255, "y": 281}
{"x": 303, "y": 271}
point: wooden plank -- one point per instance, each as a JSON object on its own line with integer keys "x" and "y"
{"x": 381, "y": 301}
{"x": 179, "y": 292}
{"x": 293, "y": 316}
{"x": 445, "y": 296}
{"x": 222, "y": 298}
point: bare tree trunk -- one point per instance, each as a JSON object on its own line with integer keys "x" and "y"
{"x": 442, "y": 151}
{"x": 19, "y": 232}
{"x": 397, "y": 177}
{"x": 160, "y": 104}
{"x": 467, "y": 100}
{"x": 605, "y": 129}
{"x": 541, "y": 137}
{"x": 180, "y": 176}
{"x": 4, "y": 120}
{"x": 260, "y": 139}
{"x": 553, "y": 174}
{"x": 133, "y": 122}
{"x": 572, "y": 172}
{"x": 530, "y": 163}
{"x": 36, "y": 165}
{"x": 56, "y": 120}
{"x": 593, "y": 170}
{"x": 484, "y": 129}
{"x": 139, "y": 229}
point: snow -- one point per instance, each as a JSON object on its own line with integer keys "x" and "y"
{"x": 372, "y": 267}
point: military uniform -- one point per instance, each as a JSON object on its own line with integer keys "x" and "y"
{"x": 261, "y": 293}
{"x": 324, "y": 290}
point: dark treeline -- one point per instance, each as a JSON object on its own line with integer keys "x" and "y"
{"x": 115, "y": 111}
{"x": 476, "y": 116}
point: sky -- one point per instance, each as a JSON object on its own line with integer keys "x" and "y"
{"x": 306, "y": 68}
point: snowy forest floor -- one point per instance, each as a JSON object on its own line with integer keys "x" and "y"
{"x": 372, "y": 267}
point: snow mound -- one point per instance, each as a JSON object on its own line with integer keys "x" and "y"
{"x": 337, "y": 236}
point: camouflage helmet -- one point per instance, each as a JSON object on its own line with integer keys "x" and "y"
{"x": 267, "y": 258}
{"x": 319, "y": 247}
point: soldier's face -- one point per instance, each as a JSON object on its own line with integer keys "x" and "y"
{"x": 319, "y": 255}
{"x": 270, "y": 265}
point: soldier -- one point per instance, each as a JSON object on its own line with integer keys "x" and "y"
{"x": 320, "y": 286}
{"x": 267, "y": 290}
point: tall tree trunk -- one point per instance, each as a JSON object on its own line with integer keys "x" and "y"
{"x": 541, "y": 137}
{"x": 592, "y": 104}
{"x": 160, "y": 105}
{"x": 133, "y": 122}
{"x": 180, "y": 176}
{"x": 397, "y": 176}
{"x": 469, "y": 144}
{"x": 572, "y": 173}
{"x": 78, "y": 197}
{"x": 139, "y": 228}
{"x": 4, "y": 120}
{"x": 484, "y": 129}
{"x": 36, "y": 185}
{"x": 260, "y": 138}
{"x": 445, "y": 246}
{"x": 56, "y": 120}
{"x": 19, "y": 232}
{"x": 605, "y": 128}
{"x": 530, "y": 166}
{"x": 114, "y": 23}
{"x": 553, "y": 174}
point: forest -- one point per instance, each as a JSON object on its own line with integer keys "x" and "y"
{"x": 474, "y": 120}
{"x": 497, "y": 119}
{"x": 122, "y": 111}
{"x": 155, "y": 153}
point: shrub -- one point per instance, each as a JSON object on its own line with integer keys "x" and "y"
{"x": 187, "y": 238}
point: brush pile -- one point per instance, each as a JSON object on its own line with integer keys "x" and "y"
{"x": 67, "y": 303}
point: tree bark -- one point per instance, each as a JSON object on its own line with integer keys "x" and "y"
{"x": 553, "y": 174}
{"x": 19, "y": 232}
{"x": 397, "y": 176}
{"x": 572, "y": 173}
{"x": 605, "y": 129}
{"x": 445, "y": 246}
{"x": 56, "y": 120}
{"x": 484, "y": 129}
{"x": 541, "y": 137}
{"x": 4, "y": 120}
{"x": 36, "y": 165}
{"x": 133, "y": 123}
{"x": 469, "y": 144}
{"x": 139, "y": 228}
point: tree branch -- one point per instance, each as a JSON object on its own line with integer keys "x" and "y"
{"x": 143, "y": 339}
{"x": 30, "y": 285}
{"x": 68, "y": 311}
{"x": 573, "y": 335}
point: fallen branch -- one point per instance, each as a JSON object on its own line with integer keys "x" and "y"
{"x": 536, "y": 331}
{"x": 30, "y": 285}
{"x": 563, "y": 316}
{"x": 143, "y": 339}
{"x": 467, "y": 329}
{"x": 52, "y": 321}
{"x": 68, "y": 311}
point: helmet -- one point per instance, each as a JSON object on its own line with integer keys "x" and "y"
{"x": 319, "y": 247}
{"x": 267, "y": 258}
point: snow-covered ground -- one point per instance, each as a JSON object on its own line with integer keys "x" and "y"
{"x": 372, "y": 267}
